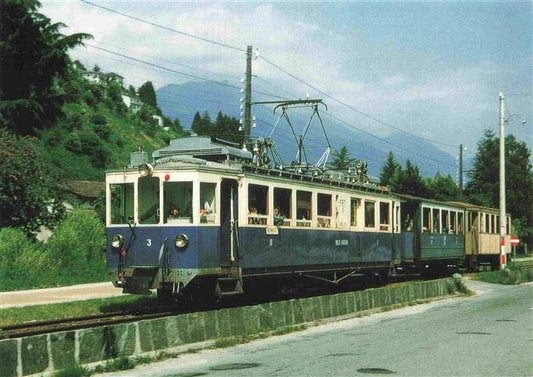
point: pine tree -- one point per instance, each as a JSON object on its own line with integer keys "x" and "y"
{"x": 147, "y": 94}
{"x": 341, "y": 159}
{"x": 388, "y": 170}
{"x": 408, "y": 181}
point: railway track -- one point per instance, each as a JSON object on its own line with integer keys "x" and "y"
{"x": 75, "y": 323}
{"x": 105, "y": 319}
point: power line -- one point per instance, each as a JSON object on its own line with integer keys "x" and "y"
{"x": 387, "y": 142}
{"x": 233, "y": 77}
{"x": 179, "y": 72}
{"x": 165, "y": 27}
{"x": 345, "y": 104}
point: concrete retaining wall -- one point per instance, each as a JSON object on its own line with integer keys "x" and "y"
{"x": 45, "y": 353}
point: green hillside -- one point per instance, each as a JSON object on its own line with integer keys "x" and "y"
{"x": 98, "y": 131}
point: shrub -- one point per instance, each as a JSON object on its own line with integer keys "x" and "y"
{"x": 22, "y": 261}
{"x": 73, "y": 143}
{"x": 73, "y": 371}
{"x": 102, "y": 131}
{"x": 13, "y": 243}
{"x": 98, "y": 118}
{"x": 78, "y": 242}
{"x": 74, "y": 121}
{"x": 89, "y": 98}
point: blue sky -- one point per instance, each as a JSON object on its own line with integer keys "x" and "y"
{"x": 431, "y": 69}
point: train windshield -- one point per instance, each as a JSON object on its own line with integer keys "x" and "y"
{"x": 177, "y": 202}
{"x": 121, "y": 203}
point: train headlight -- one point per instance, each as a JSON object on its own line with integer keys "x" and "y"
{"x": 181, "y": 241}
{"x": 117, "y": 241}
{"x": 145, "y": 170}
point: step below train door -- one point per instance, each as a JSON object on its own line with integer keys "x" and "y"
{"x": 229, "y": 245}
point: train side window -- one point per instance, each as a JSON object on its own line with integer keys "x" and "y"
{"x": 257, "y": 205}
{"x": 177, "y": 202}
{"x": 460, "y": 225}
{"x": 121, "y": 203}
{"x": 355, "y": 204}
{"x": 436, "y": 220}
{"x": 426, "y": 219}
{"x": 370, "y": 215}
{"x": 303, "y": 208}
{"x": 475, "y": 222}
{"x": 445, "y": 221}
{"x": 149, "y": 212}
{"x": 324, "y": 210}
{"x": 453, "y": 222}
{"x": 486, "y": 223}
{"x": 384, "y": 216}
{"x": 282, "y": 207}
{"x": 207, "y": 202}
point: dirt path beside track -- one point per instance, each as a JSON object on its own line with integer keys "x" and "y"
{"x": 60, "y": 294}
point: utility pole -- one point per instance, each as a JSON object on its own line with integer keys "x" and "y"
{"x": 248, "y": 95}
{"x": 461, "y": 170}
{"x": 503, "y": 219}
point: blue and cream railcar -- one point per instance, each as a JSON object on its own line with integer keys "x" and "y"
{"x": 170, "y": 224}
{"x": 433, "y": 236}
{"x": 190, "y": 224}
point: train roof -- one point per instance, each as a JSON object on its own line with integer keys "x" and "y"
{"x": 409, "y": 198}
{"x": 203, "y": 147}
{"x": 475, "y": 207}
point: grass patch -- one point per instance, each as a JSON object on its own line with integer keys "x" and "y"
{"x": 17, "y": 315}
{"x": 73, "y": 371}
{"x": 511, "y": 275}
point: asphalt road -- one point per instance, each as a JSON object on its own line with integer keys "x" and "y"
{"x": 489, "y": 334}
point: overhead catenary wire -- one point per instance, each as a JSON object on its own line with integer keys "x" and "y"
{"x": 410, "y": 151}
{"x": 345, "y": 104}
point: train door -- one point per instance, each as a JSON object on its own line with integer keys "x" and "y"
{"x": 229, "y": 245}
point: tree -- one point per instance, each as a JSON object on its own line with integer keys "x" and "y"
{"x": 442, "y": 188}
{"x": 202, "y": 125}
{"x": 147, "y": 94}
{"x": 408, "y": 181}
{"x": 484, "y": 187}
{"x": 32, "y": 54}
{"x": 388, "y": 170}
{"x": 29, "y": 197}
{"x": 227, "y": 128}
{"x": 341, "y": 159}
